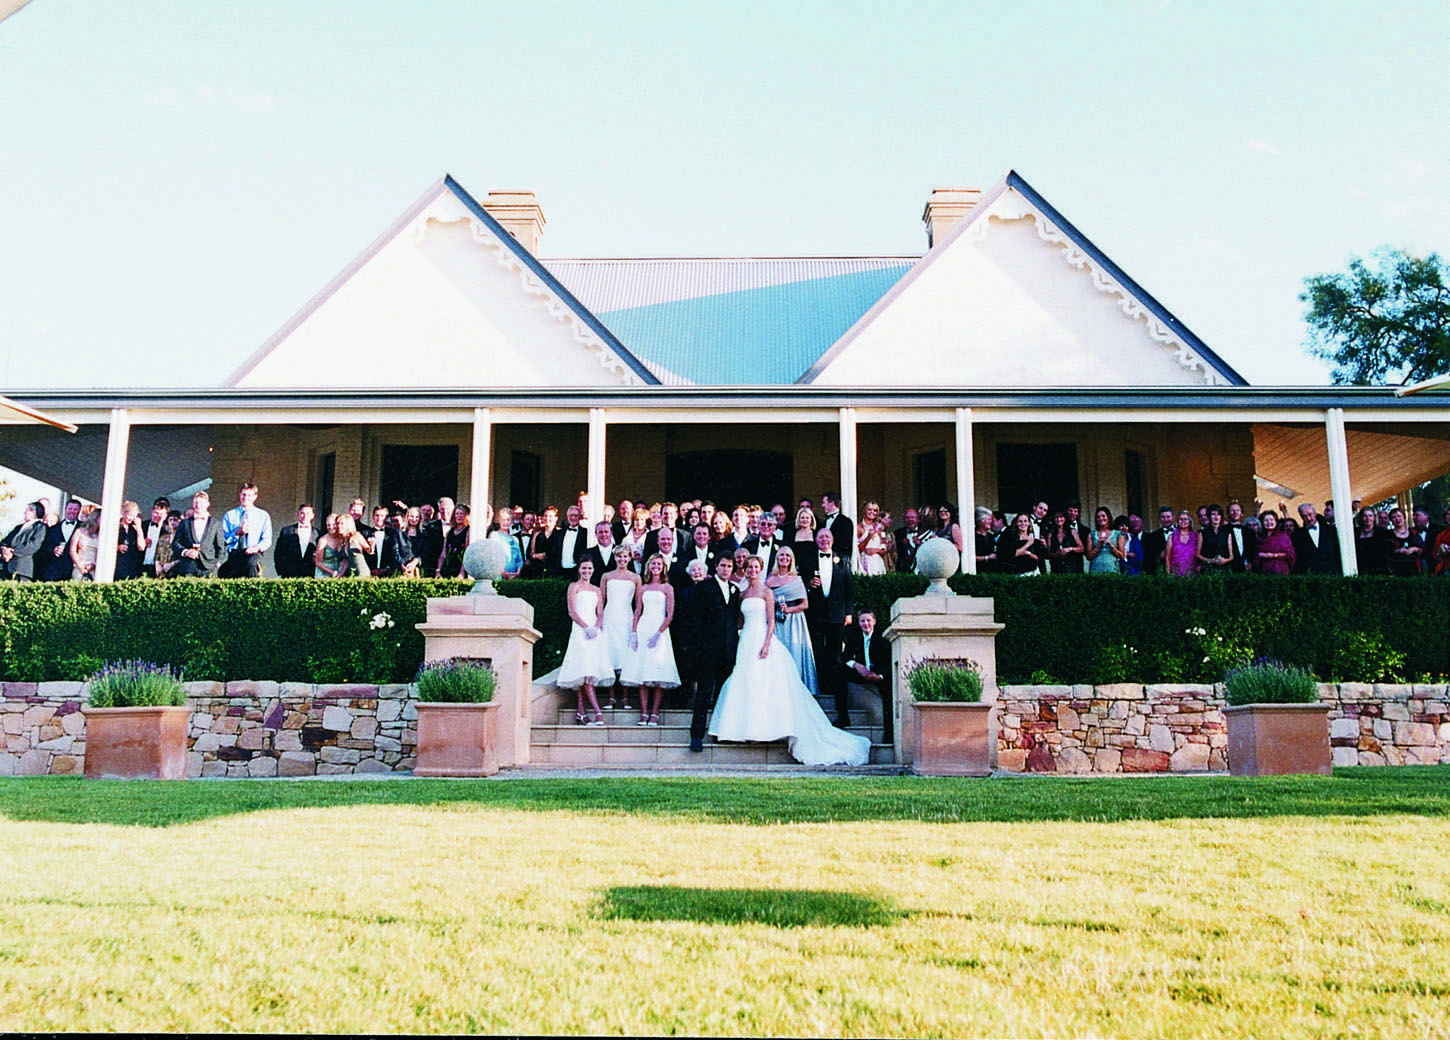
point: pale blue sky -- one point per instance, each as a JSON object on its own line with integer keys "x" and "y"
{"x": 177, "y": 178}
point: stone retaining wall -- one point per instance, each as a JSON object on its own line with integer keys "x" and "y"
{"x": 238, "y": 729}
{"x": 259, "y": 729}
{"x": 1128, "y": 728}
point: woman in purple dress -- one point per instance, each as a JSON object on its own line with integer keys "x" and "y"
{"x": 1276, "y": 548}
{"x": 1181, "y": 555}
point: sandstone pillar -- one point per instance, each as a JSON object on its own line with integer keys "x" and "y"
{"x": 934, "y": 628}
{"x": 499, "y": 630}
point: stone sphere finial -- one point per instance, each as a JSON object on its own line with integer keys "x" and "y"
{"x": 484, "y": 561}
{"x": 938, "y": 559}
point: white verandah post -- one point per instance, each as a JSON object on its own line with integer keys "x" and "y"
{"x": 1339, "y": 488}
{"x": 113, "y": 490}
{"x": 479, "y": 474}
{"x": 598, "y": 429}
{"x": 848, "y": 502}
{"x": 966, "y": 491}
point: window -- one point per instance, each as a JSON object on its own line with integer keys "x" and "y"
{"x": 326, "y": 473}
{"x": 1032, "y": 473}
{"x": 416, "y": 473}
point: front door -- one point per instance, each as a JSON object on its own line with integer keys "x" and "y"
{"x": 731, "y": 476}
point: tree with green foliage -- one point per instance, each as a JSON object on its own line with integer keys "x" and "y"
{"x": 1387, "y": 323}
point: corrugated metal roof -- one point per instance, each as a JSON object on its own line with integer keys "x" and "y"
{"x": 729, "y": 322}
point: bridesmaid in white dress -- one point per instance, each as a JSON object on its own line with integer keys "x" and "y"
{"x": 870, "y": 541}
{"x": 765, "y": 700}
{"x": 620, "y": 586}
{"x": 652, "y": 665}
{"x": 790, "y": 616}
{"x": 586, "y": 659}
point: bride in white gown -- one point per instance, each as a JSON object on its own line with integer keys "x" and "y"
{"x": 764, "y": 698}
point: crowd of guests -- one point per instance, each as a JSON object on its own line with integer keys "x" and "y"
{"x": 1211, "y": 540}
{"x": 429, "y": 539}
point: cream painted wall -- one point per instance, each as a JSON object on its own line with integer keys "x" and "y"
{"x": 436, "y": 307}
{"x": 1004, "y": 308}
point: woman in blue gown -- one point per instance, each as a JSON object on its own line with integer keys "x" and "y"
{"x": 790, "y": 616}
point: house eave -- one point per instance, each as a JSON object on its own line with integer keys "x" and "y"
{"x": 95, "y": 405}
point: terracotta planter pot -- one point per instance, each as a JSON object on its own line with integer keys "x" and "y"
{"x": 136, "y": 743}
{"x": 953, "y": 739}
{"x": 1266, "y": 739}
{"x": 457, "y": 739}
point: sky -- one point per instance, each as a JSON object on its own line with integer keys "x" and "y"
{"x": 178, "y": 178}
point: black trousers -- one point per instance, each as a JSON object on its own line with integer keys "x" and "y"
{"x": 710, "y": 670}
{"x": 239, "y": 564}
{"x": 827, "y": 637}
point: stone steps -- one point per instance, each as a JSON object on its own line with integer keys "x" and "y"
{"x": 560, "y": 742}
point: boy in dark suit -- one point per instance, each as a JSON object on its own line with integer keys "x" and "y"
{"x": 867, "y": 660}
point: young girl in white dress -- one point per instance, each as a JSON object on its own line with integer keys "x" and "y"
{"x": 586, "y": 658}
{"x": 652, "y": 665}
{"x": 620, "y": 586}
{"x": 764, "y": 698}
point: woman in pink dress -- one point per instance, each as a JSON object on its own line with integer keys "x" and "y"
{"x": 1181, "y": 555}
{"x": 1276, "y": 548}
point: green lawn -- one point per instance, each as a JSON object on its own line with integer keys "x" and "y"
{"x": 855, "y": 906}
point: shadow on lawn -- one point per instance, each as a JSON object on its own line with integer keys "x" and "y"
{"x": 779, "y": 908}
{"x": 1418, "y": 790}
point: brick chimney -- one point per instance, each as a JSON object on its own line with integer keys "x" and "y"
{"x": 519, "y": 213}
{"x": 945, "y": 208}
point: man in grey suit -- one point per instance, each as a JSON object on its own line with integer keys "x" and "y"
{"x": 199, "y": 545}
{"x": 18, "y": 553}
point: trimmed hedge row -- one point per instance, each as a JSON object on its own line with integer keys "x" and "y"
{"x": 1065, "y": 628}
{"x": 305, "y": 630}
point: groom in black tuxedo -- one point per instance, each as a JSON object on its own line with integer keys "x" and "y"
{"x": 716, "y": 609}
{"x": 827, "y": 575}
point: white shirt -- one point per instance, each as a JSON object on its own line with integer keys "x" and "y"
{"x": 826, "y": 570}
{"x": 569, "y": 548}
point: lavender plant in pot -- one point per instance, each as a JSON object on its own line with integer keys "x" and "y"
{"x": 953, "y": 732}
{"x": 456, "y": 719}
{"x": 136, "y": 722}
{"x": 1275, "y": 721}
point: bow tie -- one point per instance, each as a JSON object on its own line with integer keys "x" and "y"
{"x": 825, "y": 556}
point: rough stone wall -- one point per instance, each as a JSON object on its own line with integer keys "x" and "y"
{"x": 1388, "y": 725}
{"x": 238, "y": 729}
{"x": 261, "y": 729}
{"x": 1128, "y": 728}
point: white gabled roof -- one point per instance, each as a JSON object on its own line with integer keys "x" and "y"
{"x": 445, "y": 297}
{"x": 1015, "y": 296}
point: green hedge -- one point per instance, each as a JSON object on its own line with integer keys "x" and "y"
{"x": 305, "y": 630}
{"x": 1064, "y": 628}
